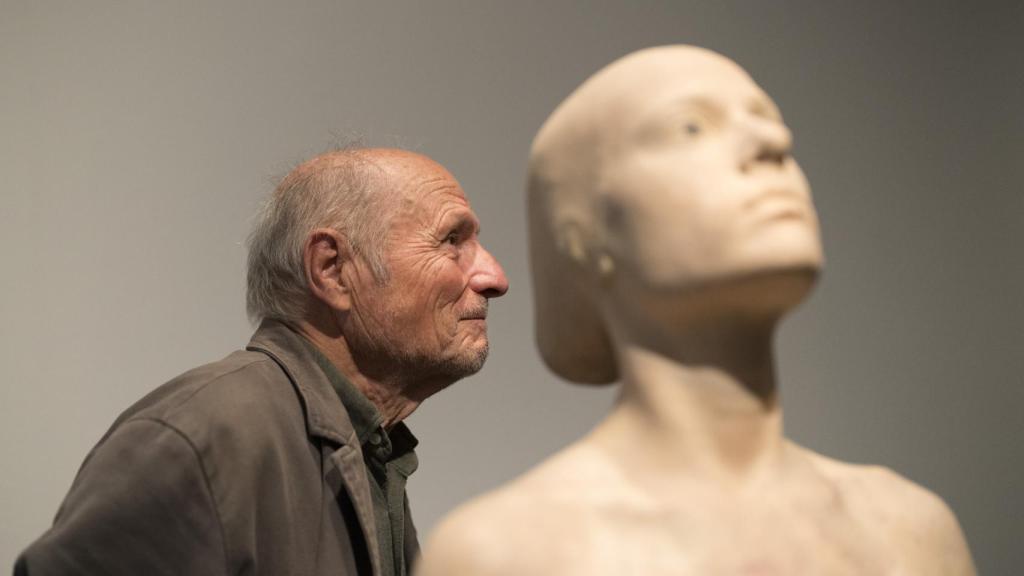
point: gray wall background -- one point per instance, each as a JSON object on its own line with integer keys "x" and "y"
{"x": 136, "y": 140}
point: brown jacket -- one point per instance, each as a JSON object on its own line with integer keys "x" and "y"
{"x": 248, "y": 465}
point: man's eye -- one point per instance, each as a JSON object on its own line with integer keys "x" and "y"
{"x": 452, "y": 238}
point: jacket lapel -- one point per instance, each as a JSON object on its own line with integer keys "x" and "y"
{"x": 326, "y": 418}
{"x": 347, "y": 469}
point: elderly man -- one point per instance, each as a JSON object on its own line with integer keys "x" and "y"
{"x": 290, "y": 457}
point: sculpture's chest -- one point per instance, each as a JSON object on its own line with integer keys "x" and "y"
{"x": 721, "y": 539}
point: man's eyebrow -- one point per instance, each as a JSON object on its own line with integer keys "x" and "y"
{"x": 462, "y": 219}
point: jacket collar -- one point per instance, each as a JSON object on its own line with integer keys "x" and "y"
{"x": 325, "y": 416}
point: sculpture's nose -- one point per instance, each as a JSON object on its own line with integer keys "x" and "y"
{"x": 769, "y": 143}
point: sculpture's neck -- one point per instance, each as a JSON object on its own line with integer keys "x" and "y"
{"x": 704, "y": 401}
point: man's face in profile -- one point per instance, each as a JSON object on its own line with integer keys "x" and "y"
{"x": 431, "y": 312}
{"x": 700, "y": 185}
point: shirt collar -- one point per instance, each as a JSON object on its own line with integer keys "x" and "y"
{"x": 325, "y": 415}
{"x": 364, "y": 415}
{"x": 366, "y": 419}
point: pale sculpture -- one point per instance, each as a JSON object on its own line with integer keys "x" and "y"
{"x": 671, "y": 230}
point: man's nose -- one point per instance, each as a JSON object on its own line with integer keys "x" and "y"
{"x": 487, "y": 278}
{"x": 769, "y": 143}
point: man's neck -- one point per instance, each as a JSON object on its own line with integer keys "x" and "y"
{"x": 389, "y": 394}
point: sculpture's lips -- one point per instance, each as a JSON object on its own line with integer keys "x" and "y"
{"x": 779, "y": 202}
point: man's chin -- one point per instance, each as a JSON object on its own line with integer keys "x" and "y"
{"x": 468, "y": 362}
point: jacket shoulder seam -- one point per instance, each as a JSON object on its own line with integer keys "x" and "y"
{"x": 203, "y": 473}
{"x": 214, "y": 380}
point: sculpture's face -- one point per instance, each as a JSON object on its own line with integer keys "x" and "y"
{"x": 697, "y": 180}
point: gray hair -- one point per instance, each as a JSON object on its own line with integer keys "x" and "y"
{"x": 334, "y": 190}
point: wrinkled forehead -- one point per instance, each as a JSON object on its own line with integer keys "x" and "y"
{"x": 413, "y": 177}
{"x": 425, "y": 194}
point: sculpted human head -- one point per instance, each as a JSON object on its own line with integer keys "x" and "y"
{"x": 665, "y": 175}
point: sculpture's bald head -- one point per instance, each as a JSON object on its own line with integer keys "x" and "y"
{"x": 666, "y": 171}
{"x": 599, "y": 109}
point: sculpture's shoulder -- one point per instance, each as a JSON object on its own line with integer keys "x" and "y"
{"x": 527, "y": 526}
{"x": 479, "y": 538}
{"x": 880, "y": 491}
{"x": 920, "y": 523}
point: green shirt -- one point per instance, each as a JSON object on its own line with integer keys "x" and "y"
{"x": 390, "y": 460}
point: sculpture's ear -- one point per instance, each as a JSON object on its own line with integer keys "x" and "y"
{"x": 570, "y": 241}
{"x": 570, "y": 331}
{"x": 576, "y": 243}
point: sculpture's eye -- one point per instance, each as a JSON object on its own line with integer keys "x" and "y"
{"x": 692, "y": 128}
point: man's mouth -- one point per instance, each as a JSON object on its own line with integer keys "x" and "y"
{"x": 479, "y": 313}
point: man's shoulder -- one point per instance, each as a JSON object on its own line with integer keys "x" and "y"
{"x": 245, "y": 393}
{"x": 179, "y": 472}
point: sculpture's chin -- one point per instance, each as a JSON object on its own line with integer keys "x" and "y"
{"x": 762, "y": 294}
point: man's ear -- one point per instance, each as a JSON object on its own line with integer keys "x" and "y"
{"x": 323, "y": 256}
